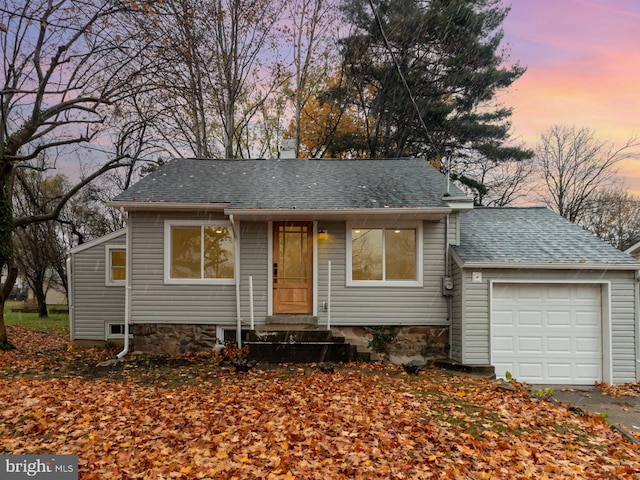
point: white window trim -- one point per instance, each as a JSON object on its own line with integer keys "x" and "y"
{"x": 107, "y": 333}
{"x": 418, "y": 282}
{"x": 107, "y": 264}
{"x": 167, "y": 253}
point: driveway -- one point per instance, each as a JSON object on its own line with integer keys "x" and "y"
{"x": 623, "y": 410}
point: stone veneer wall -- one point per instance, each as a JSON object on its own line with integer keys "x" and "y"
{"x": 422, "y": 343}
{"x": 416, "y": 343}
{"x": 170, "y": 339}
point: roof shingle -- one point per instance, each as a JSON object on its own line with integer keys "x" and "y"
{"x": 531, "y": 236}
{"x": 295, "y": 184}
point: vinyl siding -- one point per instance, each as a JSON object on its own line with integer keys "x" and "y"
{"x": 254, "y": 263}
{"x": 152, "y": 301}
{"x": 475, "y": 313}
{"x": 455, "y": 333}
{"x": 94, "y": 303}
{"x": 365, "y": 306}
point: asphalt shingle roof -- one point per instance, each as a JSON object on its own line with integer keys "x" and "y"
{"x": 295, "y": 183}
{"x": 530, "y": 236}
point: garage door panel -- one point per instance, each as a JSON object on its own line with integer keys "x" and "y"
{"x": 587, "y": 318}
{"x": 547, "y": 333}
{"x": 559, "y": 319}
{"x": 559, "y": 345}
{"x": 529, "y": 370}
{"x": 528, "y": 318}
{"x": 588, "y": 370}
{"x": 588, "y": 345}
{"x": 560, "y": 372}
{"x": 503, "y": 318}
{"x": 503, "y": 345}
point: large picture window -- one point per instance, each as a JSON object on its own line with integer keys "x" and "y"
{"x": 385, "y": 255}
{"x": 199, "y": 253}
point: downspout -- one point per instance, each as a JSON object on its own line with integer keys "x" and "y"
{"x": 447, "y": 272}
{"x": 236, "y": 268}
{"x": 70, "y": 300}
{"x": 127, "y": 287}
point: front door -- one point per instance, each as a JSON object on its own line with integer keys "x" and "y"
{"x": 292, "y": 267}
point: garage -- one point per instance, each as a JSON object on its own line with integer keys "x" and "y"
{"x": 547, "y": 333}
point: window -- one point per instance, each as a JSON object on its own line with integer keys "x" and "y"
{"x": 116, "y": 330}
{"x": 199, "y": 253}
{"x": 384, "y": 255}
{"x": 116, "y": 265}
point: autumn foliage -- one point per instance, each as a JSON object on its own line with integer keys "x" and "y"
{"x": 197, "y": 418}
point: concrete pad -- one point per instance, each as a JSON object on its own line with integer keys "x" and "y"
{"x": 623, "y": 410}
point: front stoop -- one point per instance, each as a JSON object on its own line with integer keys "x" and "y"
{"x": 297, "y": 343}
{"x": 301, "y": 322}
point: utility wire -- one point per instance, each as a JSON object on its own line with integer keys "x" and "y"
{"x": 406, "y": 85}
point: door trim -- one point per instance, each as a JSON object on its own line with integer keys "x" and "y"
{"x": 269, "y": 267}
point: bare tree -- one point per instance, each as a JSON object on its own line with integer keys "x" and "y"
{"x": 60, "y": 83}
{"x": 215, "y": 65}
{"x": 614, "y": 216}
{"x": 497, "y": 184}
{"x": 38, "y": 246}
{"x": 311, "y": 30}
{"x": 574, "y": 164}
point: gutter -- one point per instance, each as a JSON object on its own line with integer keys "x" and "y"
{"x": 167, "y": 206}
{"x": 549, "y": 266}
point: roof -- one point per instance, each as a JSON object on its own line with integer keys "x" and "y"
{"x": 97, "y": 241}
{"x": 532, "y": 237}
{"x": 306, "y": 184}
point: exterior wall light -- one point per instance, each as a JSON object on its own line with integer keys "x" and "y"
{"x": 323, "y": 235}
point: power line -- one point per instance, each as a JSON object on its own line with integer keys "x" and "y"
{"x": 406, "y": 85}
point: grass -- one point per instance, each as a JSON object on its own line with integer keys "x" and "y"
{"x": 58, "y": 322}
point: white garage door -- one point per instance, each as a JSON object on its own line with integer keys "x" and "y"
{"x": 547, "y": 333}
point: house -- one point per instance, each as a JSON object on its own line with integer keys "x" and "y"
{"x": 213, "y": 247}
{"x": 96, "y": 277}
{"x": 634, "y": 251}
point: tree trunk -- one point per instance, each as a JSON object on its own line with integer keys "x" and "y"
{"x": 5, "y": 344}
{"x": 41, "y": 298}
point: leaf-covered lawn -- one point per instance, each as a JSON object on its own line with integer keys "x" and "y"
{"x": 198, "y": 419}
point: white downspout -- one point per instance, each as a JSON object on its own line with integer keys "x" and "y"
{"x": 127, "y": 288}
{"x": 70, "y": 291}
{"x": 236, "y": 267}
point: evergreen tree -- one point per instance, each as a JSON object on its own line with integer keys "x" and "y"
{"x": 452, "y": 66}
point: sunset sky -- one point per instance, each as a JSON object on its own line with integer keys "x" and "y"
{"x": 583, "y": 69}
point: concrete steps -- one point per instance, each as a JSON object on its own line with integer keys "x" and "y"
{"x": 282, "y": 340}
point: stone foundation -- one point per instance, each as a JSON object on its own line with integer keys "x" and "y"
{"x": 171, "y": 339}
{"x": 419, "y": 343}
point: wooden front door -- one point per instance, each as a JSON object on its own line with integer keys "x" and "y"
{"x": 292, "y": 267}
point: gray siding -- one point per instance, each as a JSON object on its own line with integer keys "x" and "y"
{"x": 474, "y": 320}
{"x": 94, "y": 304}
{"x": 152, "y": 301}
{"x": 254, "y": 258}
{"x": 455, "y": 332}
{"x": 364, "y": 306}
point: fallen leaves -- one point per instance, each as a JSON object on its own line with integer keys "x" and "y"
{"x": 628, "y": 389}
{"x": 190, "y": 418}
{"x": 275, "y": 424}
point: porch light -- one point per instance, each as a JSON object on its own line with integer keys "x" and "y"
{"x": 323, "y": 235}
